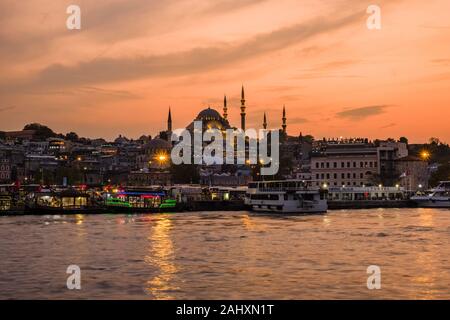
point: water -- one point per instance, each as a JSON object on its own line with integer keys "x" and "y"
{"x": 228, "y": 255}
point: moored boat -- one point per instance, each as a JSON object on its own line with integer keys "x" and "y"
{"x": 140, "y": 200}
{"x": 286, "y": 196}
{"x": 68, "y": 201}
{"x": 438, "y": 197}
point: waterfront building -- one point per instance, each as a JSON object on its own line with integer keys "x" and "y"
{"x": 149, "y": 177}
{"x": 5, "y": 170}
{"x": 413, "y": 173}
{"x": 344, "y": 163}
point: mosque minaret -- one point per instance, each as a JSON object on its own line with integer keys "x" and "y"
{"x": 242, "y": 109}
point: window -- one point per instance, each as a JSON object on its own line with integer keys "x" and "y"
{"x": 361, "y": 164}
{"x": 328, "y": 176}
{"x": 375, "y": 164}
{"x": 317, "y": 165}
{"x": 328, "y": 165}
{"x": 322, "y": 176}
{"x": 361, "y": 176}
{"x": 354, "y": 164}
{"x": 342, "y": 165}
{"x": 348, "y": 175}
{"x": 321, "y": 165}
{"x": 335, "y": 165}
{"x": 317, "y": 176}
{"x": 354, "y": 175}
{"x": 348, "y": 164}
{"x": 335, "y": 176}
{"x": 343, "y": 175}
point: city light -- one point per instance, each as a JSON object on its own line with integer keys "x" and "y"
{"x": 425, "y": 155}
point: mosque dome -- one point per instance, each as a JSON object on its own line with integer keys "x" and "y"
{"x": 209, "y": 114}
{"x": 211, "y": 119}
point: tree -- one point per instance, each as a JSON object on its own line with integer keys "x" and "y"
{"x": 435, "y": 141}
{"x": 308, "y": 138}
{"x": 72, "y": 136}
{"x": 442, "y": 174}
{"x": 403, "y": 140}
{"x": 42, "y": 132}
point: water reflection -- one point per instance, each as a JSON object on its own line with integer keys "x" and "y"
{"x": 79, "y": 219}
{"x": 161, "y": 257}
{"x": 426, "y": 257}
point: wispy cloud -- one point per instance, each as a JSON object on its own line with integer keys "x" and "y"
{"x": 104, "y": 69}
{"x": 3, "y": 109}
{"x": 362, "y": 112}
{"x": 390, "y": 125}
{"x": 297, "y": 120}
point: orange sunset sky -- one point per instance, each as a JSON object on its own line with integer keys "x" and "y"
{"x": 132, "y": 59}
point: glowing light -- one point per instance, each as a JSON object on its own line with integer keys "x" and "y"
{"x": 425, "y": 155}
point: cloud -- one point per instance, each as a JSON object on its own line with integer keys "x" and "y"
{"x": 296, "y": 120}
{"x": 3, "y": 109}
{"x": 196, "y": 60}
{"x": 362, "y": 113}
{"x": 390, "y": 125}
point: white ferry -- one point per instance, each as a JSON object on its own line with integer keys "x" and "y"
{"x": 438, "y": 197}
{"x": 286, "y": 196}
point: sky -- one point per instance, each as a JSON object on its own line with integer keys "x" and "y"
{"x": 133, "y": 59}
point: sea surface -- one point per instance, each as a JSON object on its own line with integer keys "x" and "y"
{"x": 228, "y": 255}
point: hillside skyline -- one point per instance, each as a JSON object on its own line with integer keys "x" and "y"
{"x": 132, "y": 60}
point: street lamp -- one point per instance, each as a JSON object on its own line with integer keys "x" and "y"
{"x": 425, "y": 155}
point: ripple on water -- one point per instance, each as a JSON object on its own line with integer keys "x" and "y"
{"x": 230, "y": 255}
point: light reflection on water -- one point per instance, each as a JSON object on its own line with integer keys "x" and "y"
{"x": 228, "y": 255}
{"x": 161, "y": 255}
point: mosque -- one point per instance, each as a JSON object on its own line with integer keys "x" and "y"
{"x": 154, "y": 160}
{"x": 212, "y": 119}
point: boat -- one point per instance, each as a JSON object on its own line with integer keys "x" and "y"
{"x": 66, "y": 201}
{"x": 10, "y": 206}
{"x": 438, "y": 197}
{"x": 286, "y": 196}
{"x": 140, "y": 200}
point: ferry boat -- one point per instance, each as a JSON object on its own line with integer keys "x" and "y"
{"x": 12, "y": 198}
{"x": 286, "y": 196}
{"x": 145, "y": 200}
{"x": 438, "y": 197}
{"x": 66, "y": 201}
